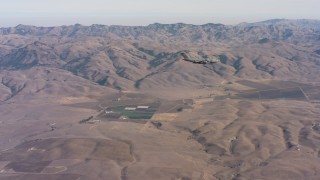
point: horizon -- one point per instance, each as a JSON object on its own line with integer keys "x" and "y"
{"x": 159, "y": 23}
{"x": 142, "y": 12}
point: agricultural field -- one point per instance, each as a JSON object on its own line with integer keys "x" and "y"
{"x": 145, "y": 111}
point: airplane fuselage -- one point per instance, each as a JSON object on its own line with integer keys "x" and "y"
{"x": 198, "y": 61}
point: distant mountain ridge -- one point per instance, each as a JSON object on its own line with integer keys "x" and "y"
{"x": 128, "y": 57}
{"x": 169, "y": 29}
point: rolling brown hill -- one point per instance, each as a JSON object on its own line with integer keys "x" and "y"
{"x": 118, "y": 102}
{"x": 125, "y": 57}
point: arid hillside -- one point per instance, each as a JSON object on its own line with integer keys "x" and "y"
{"x": 125, "y": 58}
{"x": 118, "y": 102}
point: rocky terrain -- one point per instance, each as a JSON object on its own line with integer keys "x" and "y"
{"x": 145, "y": 56}
{"x": 253, "y": 115}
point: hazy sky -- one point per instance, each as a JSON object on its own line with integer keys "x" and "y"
{"x": 143, "y": 12}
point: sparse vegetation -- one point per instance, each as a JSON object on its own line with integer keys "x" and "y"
{"x": 254, "y": 115}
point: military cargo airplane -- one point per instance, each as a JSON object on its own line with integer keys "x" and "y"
{"x": 199, "y": 61}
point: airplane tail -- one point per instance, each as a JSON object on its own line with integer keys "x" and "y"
{"x": 213, "y": 59}
{"x": 184, "y": 55}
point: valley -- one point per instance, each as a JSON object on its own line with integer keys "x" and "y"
{"x": 118, "y": 102}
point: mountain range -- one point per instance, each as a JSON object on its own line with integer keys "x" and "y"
{"x": 119, "y": 102}
{"x": 146, "y": 57}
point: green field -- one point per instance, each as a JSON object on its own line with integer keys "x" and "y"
{"x": 138, "y": 113}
